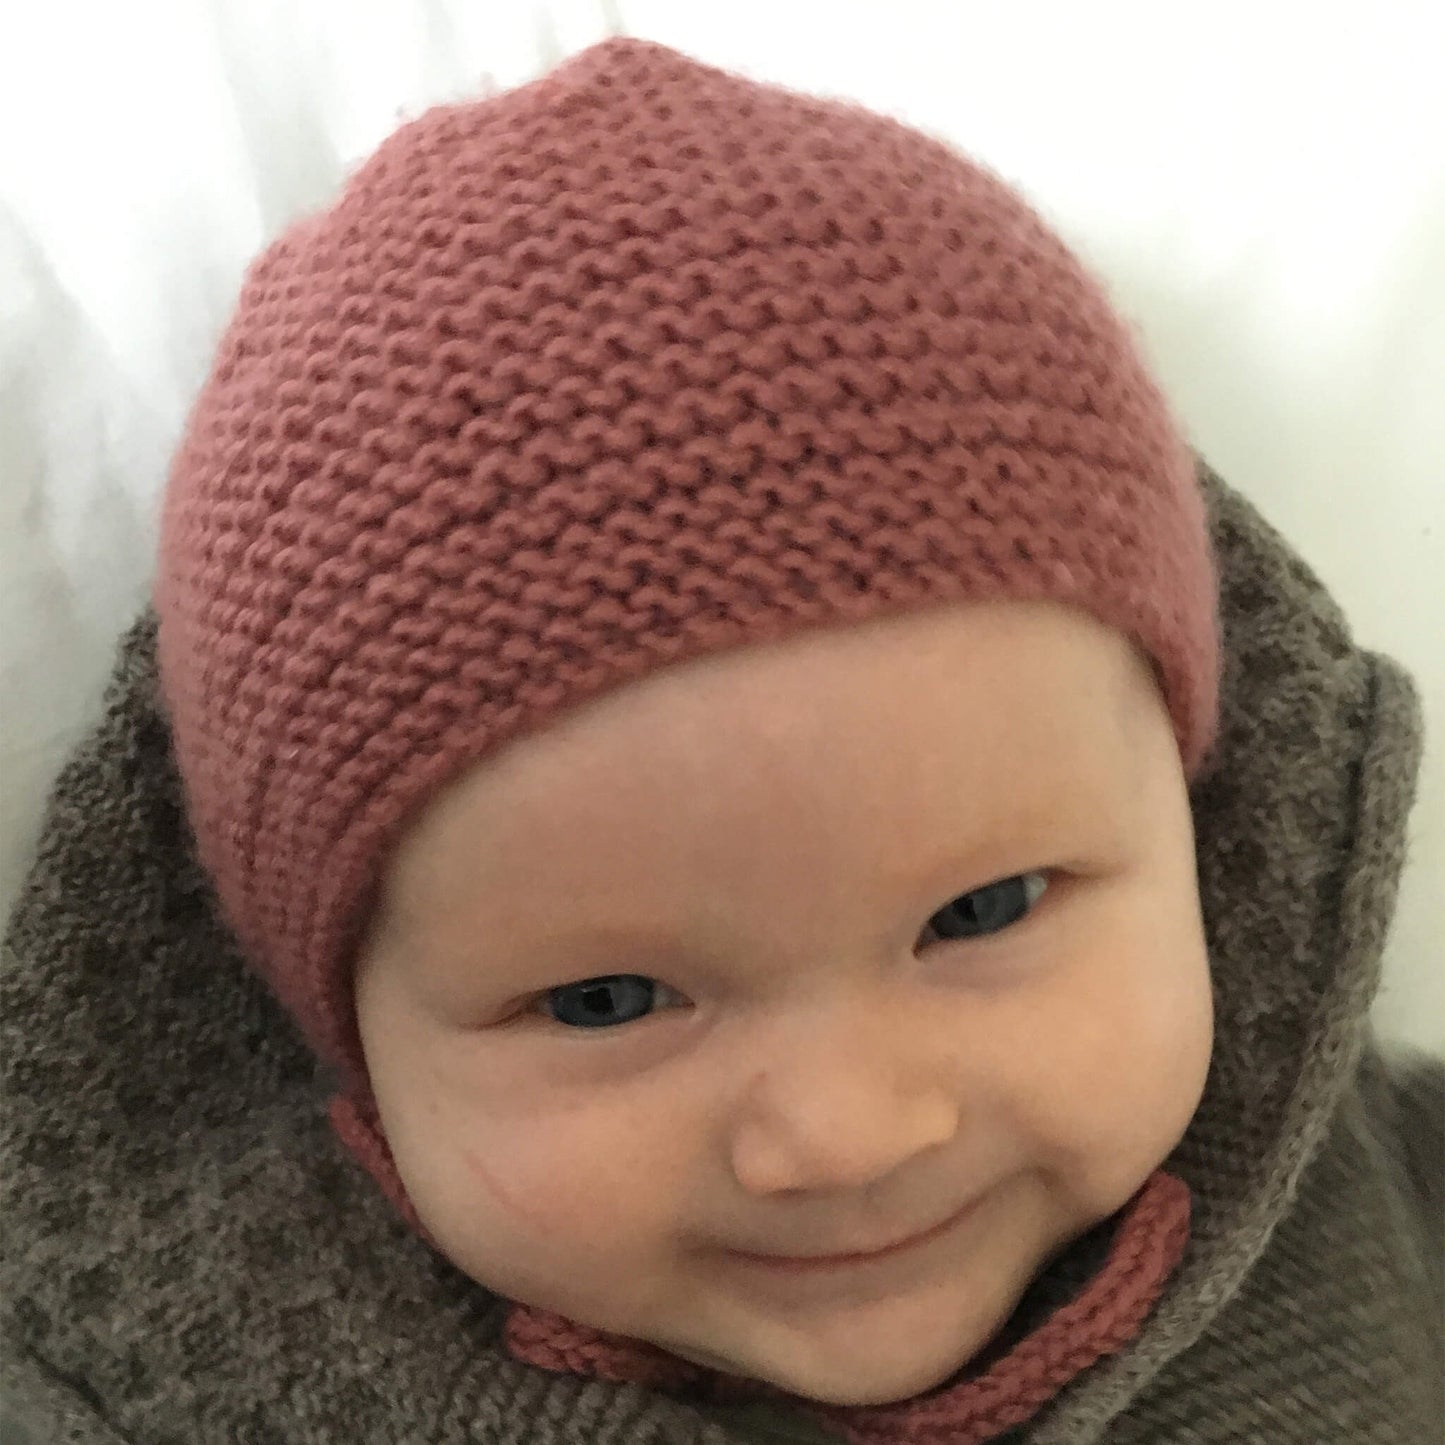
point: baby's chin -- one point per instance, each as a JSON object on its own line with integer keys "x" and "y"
{"x": 885, "y": 1382}
{"x": 860, "y": 1362}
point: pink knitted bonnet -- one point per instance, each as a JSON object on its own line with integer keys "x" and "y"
{"x": 636, "y": 362}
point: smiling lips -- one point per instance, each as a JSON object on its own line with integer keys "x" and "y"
{"x": 809, "y": 1264}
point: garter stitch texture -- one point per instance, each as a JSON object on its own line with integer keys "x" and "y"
{"x": 634, "y": 363}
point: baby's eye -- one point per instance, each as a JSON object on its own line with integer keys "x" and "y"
{"x": 987, "y": 910}
{"x": 598, "y": 1003}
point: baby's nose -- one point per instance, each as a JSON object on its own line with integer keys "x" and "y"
{"x": 837, "y": 1114}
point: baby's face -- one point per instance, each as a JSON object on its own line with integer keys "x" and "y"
{"x": 879, "y": 922}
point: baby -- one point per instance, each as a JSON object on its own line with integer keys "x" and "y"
{"x": 730, "y": 559}
{"x": 688, "y": 632}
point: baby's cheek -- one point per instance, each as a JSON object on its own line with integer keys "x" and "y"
{"x": 546, "y": 1213}
{"x": 548, "y": 1190}
{"x": 555, "y": 1227}
{"x": 1114, "y": 1077}
{"x": 1149, "y": 1088}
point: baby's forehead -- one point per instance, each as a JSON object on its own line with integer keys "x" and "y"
{"x": 978, "y": 661}
{"x": 916, "y": 735}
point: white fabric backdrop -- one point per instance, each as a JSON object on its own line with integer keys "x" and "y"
{"x": 1263, "y": 185}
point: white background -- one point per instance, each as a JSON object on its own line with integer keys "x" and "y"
{"x": 1262, "y": 185}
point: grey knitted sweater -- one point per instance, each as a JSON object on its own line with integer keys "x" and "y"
{"x": 189, "y": 1257}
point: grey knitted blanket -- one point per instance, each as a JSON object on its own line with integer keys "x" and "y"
{"x": 188, "y": 1256}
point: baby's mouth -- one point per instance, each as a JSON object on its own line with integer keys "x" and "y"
{"x": 820, "y": 1263}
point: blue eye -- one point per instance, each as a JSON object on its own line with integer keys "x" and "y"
{"x": 990, "y": 909}
{"x": 595, "y": 1003}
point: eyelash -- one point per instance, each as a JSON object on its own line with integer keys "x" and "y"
{"x": 1032, "y": 896}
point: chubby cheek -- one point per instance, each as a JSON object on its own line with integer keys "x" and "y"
{"x": 1122, "y": 1065}
{"x": 566, "y": 1210}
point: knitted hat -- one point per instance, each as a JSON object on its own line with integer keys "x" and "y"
{"x": 634, "y": 363}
